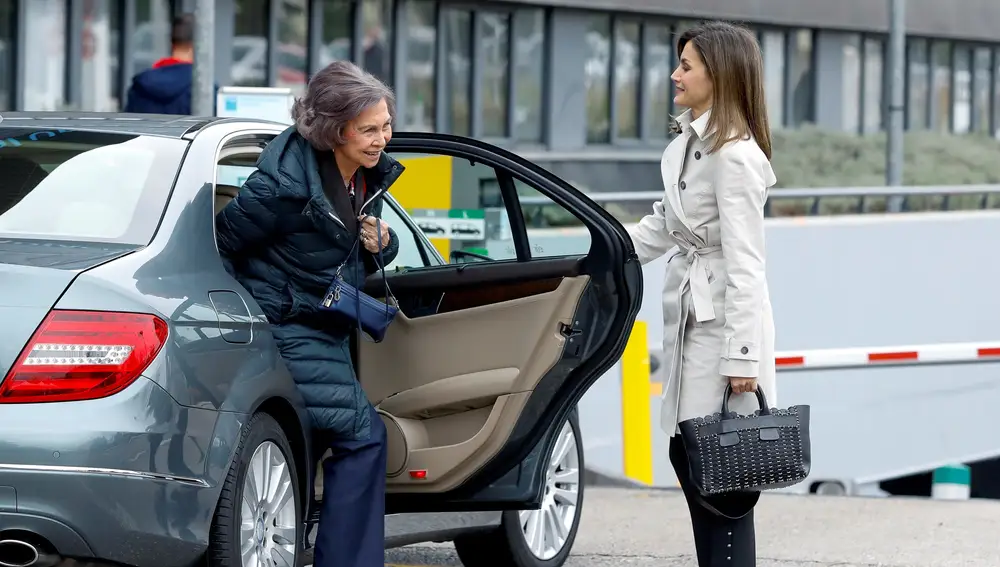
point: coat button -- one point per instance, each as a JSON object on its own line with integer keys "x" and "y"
{"x": 683, "y": 186}
{"x": 744, "y": 350}
{"x": 697, "y": 155}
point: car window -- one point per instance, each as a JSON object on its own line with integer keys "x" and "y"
{"x": 459, "y": 206}
{"x": 84, "y": 186}
{"x": 410, "y": 242}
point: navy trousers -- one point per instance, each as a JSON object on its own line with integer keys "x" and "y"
{"x": 351, "y": 531}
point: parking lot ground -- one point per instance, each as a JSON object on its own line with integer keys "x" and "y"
{"x": 647, "y": 528}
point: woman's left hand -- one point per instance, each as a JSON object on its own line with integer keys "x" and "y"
{"x": 372, "y": 230}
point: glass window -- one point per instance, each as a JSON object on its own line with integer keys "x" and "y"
{"x": 69, "y": 185}
{"x": 981, "y": 80}
{"x": 485, "y": 227}
{"x": 996, "y": 93}
{"x": 801, "y": 78}
{"x": 659, "y": 63}
{"x": 338, "y": 16}
{"x": 249, "y": 65}
{"x": 941, "y": 94}
{"x": 962, "y": 96}
{"x": 626, "y": 73}
{"x": 293, "y": 34}
{"x": 874, "y": 80}
{"x": 457, "y": 41}
{"x": 8, "y": 35}
{"x": 421, "y": 54}
{"x": 918, "y": 96}
{"x": 410, "y": 243}
{"x": 151, "y": 38}
{"x": 376, "y": 45}
{"x": 495, "y": 85}
{"x": 44, "y": 55}
{"x": 529, "y": 65}
{"x": 850, "y": 95}
{"x": 98, "y": 51}
{"x": 773, "y": 47}
{"x": 597, "y": 79}
{"x": 552, "y": 230}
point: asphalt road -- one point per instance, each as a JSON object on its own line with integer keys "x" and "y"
{"x": 650, "y": 528}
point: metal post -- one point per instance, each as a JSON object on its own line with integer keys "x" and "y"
{"x": 203, "y": 71}
{"x": 897, "y": 104}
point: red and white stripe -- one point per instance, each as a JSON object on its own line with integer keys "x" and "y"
{"x": 952, "y": 353}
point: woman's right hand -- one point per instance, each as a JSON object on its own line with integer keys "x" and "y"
{"x": 373, "y": 231}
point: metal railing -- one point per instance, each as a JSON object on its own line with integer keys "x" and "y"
{"x": 971, "y": 197}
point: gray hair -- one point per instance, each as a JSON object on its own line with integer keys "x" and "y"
{"x": 336, "y": 95}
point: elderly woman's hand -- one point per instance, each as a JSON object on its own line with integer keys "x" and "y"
{"x": 369, "y": 236}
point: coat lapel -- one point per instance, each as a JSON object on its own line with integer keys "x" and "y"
{"x": 671, "y": 167}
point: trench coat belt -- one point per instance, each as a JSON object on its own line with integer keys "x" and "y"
{"x": 697, "y": 276}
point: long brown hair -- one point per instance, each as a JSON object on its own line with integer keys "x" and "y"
{"x": 735, "y": 65}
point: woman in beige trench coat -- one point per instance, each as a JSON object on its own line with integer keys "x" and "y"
{"x": 718, "y": 326}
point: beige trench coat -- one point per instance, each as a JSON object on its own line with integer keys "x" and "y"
{"x": 717, "y": 319}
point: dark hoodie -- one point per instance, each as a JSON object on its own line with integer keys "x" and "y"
{"x": 164, "y": 89}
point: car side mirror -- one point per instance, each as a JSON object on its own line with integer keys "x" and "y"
{"x": 467, "y": 257}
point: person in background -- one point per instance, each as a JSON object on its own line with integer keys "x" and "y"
{"x": 166, "y": 88}
{"x": 717, "y": 321}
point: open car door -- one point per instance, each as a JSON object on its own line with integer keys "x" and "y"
{"x": 487, "y": 356}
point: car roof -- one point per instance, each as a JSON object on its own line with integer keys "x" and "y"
{"x": 163, "y": 125}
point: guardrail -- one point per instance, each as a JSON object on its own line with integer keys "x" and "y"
{"x": 801, "y": 193}
{"x": 900, "y": 199}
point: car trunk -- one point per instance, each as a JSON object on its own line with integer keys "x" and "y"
{"x": 33, "y": 276}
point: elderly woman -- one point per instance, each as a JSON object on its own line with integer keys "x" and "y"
{"x": 293, "y": 223}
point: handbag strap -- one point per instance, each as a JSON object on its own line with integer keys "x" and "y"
{"x": 354, "y": 251}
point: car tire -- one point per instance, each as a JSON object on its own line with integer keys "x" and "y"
{"x": 507, "y": 545}
{"x": 277, "y": 520}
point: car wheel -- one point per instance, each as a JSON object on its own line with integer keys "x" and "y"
{"x": 257, "y": 520}
{"x": 543, "y": 537}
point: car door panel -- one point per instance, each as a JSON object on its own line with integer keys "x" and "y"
{"x": 450, "y": 386}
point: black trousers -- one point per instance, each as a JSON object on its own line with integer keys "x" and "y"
{"x": 723, "y": 525}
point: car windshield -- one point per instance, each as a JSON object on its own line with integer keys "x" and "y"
{"x": 84, "y": 186}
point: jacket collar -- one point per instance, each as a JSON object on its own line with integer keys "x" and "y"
{"x": 699, "y": 126}
{"x": 290, "y": 147}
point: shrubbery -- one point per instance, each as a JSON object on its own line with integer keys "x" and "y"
{"x": 810, "y": 157}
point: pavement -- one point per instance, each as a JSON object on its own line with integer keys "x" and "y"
{"x": 647, "y": 528}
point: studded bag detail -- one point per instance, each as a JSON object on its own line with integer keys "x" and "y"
{"x": 734, "y": 453}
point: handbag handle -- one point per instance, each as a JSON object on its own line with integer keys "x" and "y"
{"x": 761, "y": 401}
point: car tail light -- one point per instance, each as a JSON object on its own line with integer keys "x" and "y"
{"x": 83, "y": 355}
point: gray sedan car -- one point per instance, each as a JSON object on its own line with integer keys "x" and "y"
{"x": 147, "y": 419}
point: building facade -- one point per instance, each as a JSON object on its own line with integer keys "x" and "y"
{"x": 580, "y": 85}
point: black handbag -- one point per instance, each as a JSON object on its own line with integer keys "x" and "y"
{"x": 372, "y": 316}
{"x": 746, "y": 453}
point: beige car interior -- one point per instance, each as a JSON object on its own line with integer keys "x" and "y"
{"x": 450, "y": 386}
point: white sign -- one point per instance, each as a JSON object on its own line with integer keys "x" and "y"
{"x": 451, "y": 228}
{"x": 263, "y": 103}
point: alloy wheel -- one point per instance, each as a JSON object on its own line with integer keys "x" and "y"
{"x": 547, "y": 529}
{"x": 267, "y": 512}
